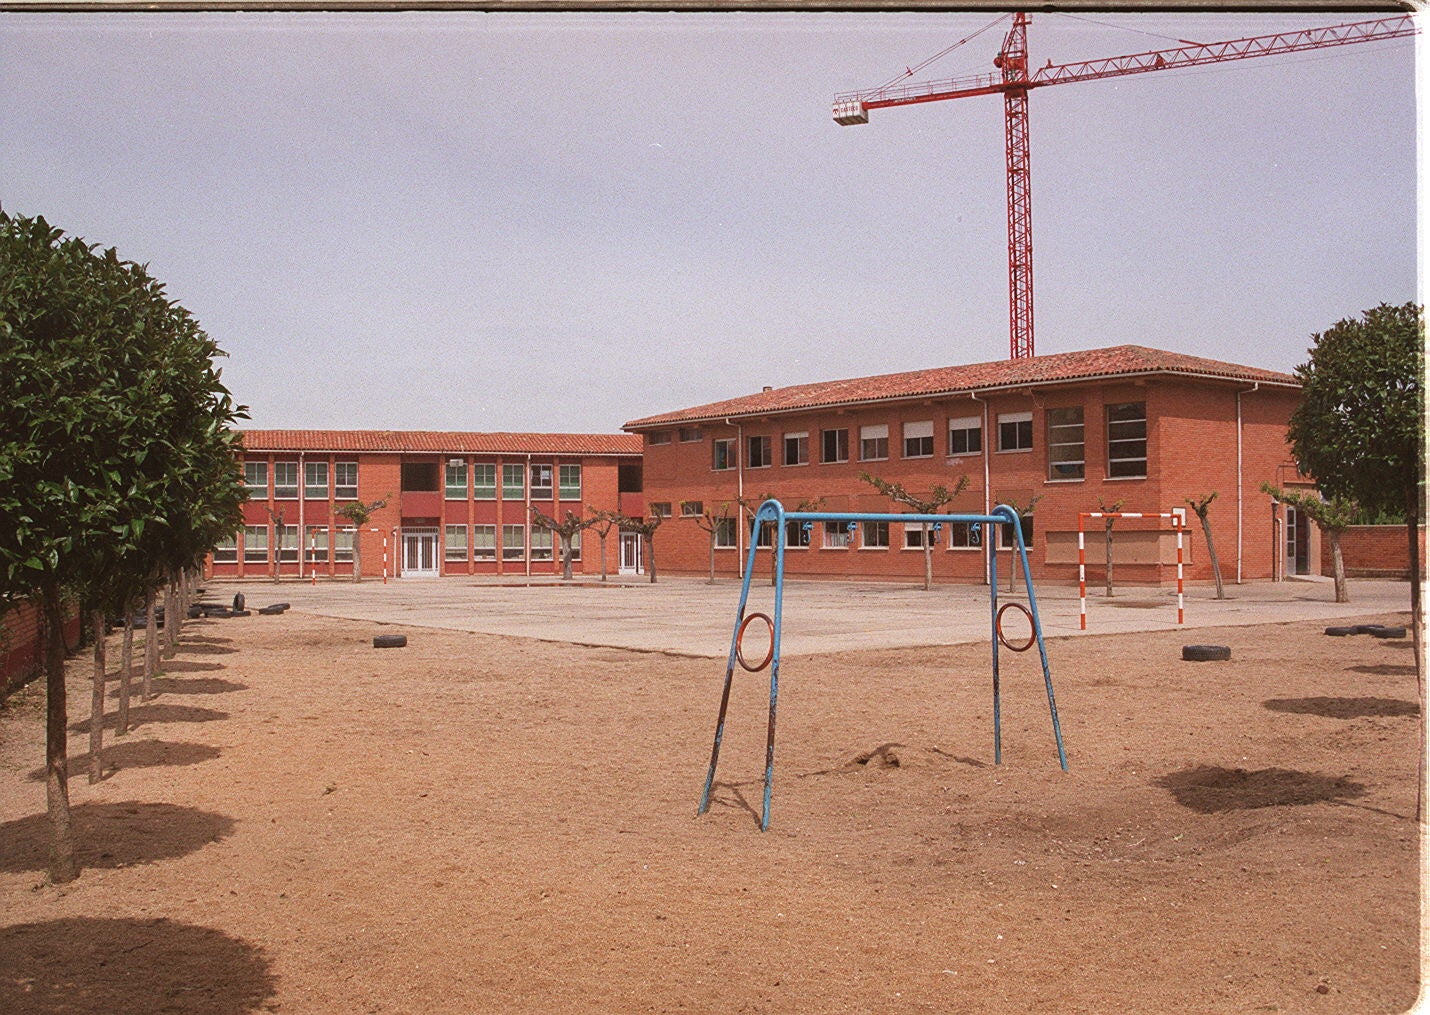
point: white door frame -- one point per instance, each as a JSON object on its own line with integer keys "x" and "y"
{"x": 421, "y": 552}
{"x": 630, "y": 557}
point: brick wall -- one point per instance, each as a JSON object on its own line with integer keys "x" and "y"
{"x": 22, "y": 653}
{"x": 1374, "y": 551}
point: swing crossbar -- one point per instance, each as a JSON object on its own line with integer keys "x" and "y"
{"x": 773, "y": 511}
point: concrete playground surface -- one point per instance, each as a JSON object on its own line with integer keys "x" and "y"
{"x": 691, "y": 617}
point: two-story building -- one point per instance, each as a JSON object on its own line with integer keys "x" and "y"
{"x": 1053, "y": 435}
{"x": 453, "y": 503}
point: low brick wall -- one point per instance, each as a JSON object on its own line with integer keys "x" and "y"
{"x": 22, "y": 651}
{"x": 1374, "y": 551}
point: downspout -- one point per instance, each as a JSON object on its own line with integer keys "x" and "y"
{"x": 739, "y": 498}
{"x": 987, "y": 492}
{"x": 1239, "y": 483}
{"x": 302, "y": 502}
{"x": 526, "y": 521}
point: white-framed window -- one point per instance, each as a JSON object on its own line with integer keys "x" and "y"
{"x": 725, "y": 533}
{"x": 255, "y": 477}
{"x": 568, "y": 478}
{"x": 226, "y": 550}
{"x": 315, "y": 544}
{"x": 690, "y": 434}
{"x": 965, "y": 435}
{"x": 484, "y": 481}
{"x": 1015, "y": 431}
{"x": 692, "y": 508}
{"x": 758, "y": 453}
{"x": 454, "y": 539}
{"x": 315, "y": 480}
{"x": 834, "y": 445}
{"x": 660, "y": 509}
{"x": 541, "y": 482}
{"x": 255, "y": 544}
{"x": 965, "y": 536}
{"x": 484, "y": 542}
{"x": 836, "y": 536}
{"x": 345, "y": 480}
{"x": 914, "y": 536}
{"x": 343, "y": 545}
{"x": 541, "y": 543}
{"x": 513, "y": 481}
{"x": 874, "y": 442}
{"x": 1127, "y": 440}
{"x": 513, "y": 542}
{"x": 797, "y": 534}
{"x": 722, "y": 453}
{"x": 658, "y": 437}
{"x": 1006, "y": 539}
{"x": 288, "y": 544}
{"x": 576, "y": 545}
{"x": 1065, "y": 443}
{"x": 285, "y": 480}
{"x": 454, "y": 479}
{"x": 874, "y": 535}
{"x": 918, "y": 439}
{"x": 797, "y": 448}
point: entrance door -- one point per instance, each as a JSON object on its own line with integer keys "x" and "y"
{"x": 1298, "y": 542}
{"x": 419, "y": 552}
{"x": 630, "y": 553}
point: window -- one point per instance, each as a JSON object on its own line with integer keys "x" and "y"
{"x": 484, "y": 482}
{"x": 689, "y": 434}
{"x": 1015, "y": 431}
{"x": 724, "y": 533}
{"x": 834, "y": 446}
{"x": 797, "y": 534}
{"x": 759, "y": 456}
{"x": 873, "y": 442}
{"x": 255, "y": 544}
{"x": 1006, "y": 539}
{"x": 484, "y": 542}
{"x": 288, "y": 544}
{"x": 797, "y": 448}
{"x": 658, "y": 437}
{"x": 836, "y": 536}
{"x": 965, "y": 536}
{"x": 345, "y": 480}
{"x": 315, "y": 544}
{"x": 875, "y": 535}
{"x": 226, "y": 552}
{"x": 914, "y": 536}
{"x": 315, "y": 480}
{"x": 513, "y": 542}
{"x": 513, "y": 482}
{"x": 541, "y": 482}
{"x": 765, "y": 538}
{"x": 285, "y": 480}
{"x": 918, "y": 439}
{"x": 455, "y": 541}
{"x": 576, "y": 545}
{"x": 255, "y": 477}
{"x": 692, "y": 508}
{"x": 1127, "y": 439}
{"x": 569, "y": 478}
{"x": 541, "y": 544}
{"x": 660, "y": 509}
{"x": 454, "y": 480}
{"x": 1065, "y": 443}
{"x": 343, "y": 546}
{"x": 722, "y": 453}
{"x": 965, "y": 435}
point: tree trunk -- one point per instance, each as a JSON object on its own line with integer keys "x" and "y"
{"x": 96, "y": 699}
{"x": 63, "y": 868}
{"x": 1107, "y": 546}
{"x": 151, "y": 644}
{"x": 712, "y": 556}
{"x": 171, "y": 616}
{"x": 126, "y": 664}
{"x": 566, "y": 558}
{"x": 1338, "y": 565}
{"x": 1417, "y": 627}
{"x": 357, "y": 555}
{"x": 1211, "y": 553}
{"x": 650, "y": 553}
{"x": 602, "y": 537}
{"x": 928, "y": 558}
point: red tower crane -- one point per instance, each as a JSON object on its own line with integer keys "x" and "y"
{"x": 1014, "y": 81}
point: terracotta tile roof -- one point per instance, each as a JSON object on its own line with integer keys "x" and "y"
{"x": 442, "y": 442}
{"x": 1085, "y": 365}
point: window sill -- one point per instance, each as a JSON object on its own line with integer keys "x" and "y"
{"x": 965, "y": 454}
{"x": 914, "y": 458}
{"x": 1123, "y": 479}
{"x": 1014, "y": 451}
{"x": 884, "y": 459}
{"x": 1054, "y": 482}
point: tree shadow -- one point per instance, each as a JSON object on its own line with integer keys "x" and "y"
{"x": 206, "y": 646}
{"x": 187, "y": 666}
{"x": 138, "y": 754}
{"x": 1343, "y": 708}
{"x": 141, "y": 715}
{"x": 1385, "y": 670}
{"x": 1208, "y": 789}
{"x": 90, "y": 964}
{"x": 201, "y": 639}
{"x": 739, "y": 802}
{"x": 113, "y": 835}
{"x": 197, "y": 685}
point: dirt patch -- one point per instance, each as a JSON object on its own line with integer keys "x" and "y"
{"x": 480, "y": 824}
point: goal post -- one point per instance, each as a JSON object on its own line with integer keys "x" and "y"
{"x": 1179, "y": 525}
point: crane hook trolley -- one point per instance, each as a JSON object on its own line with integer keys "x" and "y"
{"x": 773, "y": 512}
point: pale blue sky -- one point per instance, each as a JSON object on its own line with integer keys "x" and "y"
{"x": 564, "y": 221}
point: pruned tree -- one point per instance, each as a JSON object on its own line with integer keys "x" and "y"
{"x": 602, "y": 522}
{"x": 1332, "y": 517}
{"x": 710, "y": 522}
{"x": 646, "y": 529}
{"x": 275, "y": 549}
{"x": 1024, "y": 511}
{"x": 1201, "y": 506}
{"x": 938, "y": 498}
{"x": 360, "y": 515}
{"x": 566, "y": 530}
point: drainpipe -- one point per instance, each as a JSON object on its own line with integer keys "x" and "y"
{"x": 1246, "y": 391}
{"x": 739, "y": 497}
{"x": 302, "y": 501}
{"x": 526, "y": 522}
{"x": 987, "y": 492}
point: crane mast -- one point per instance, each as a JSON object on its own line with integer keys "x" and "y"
{"x": 1014, "y": 82}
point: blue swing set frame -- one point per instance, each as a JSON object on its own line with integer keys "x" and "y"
{"x": 773, "y": 511}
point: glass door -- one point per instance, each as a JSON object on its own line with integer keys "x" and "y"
{"x": 630, "y": 553}
{"x": 419, "y": 552}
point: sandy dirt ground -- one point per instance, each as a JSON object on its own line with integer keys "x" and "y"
{"x": 302, "y": 823}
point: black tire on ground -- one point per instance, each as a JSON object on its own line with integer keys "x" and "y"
{"x": 280, "y": 607}
{"x": 390, "y": 641}
{"x": 1388, "y": 632}
{"x": 1205, "y": 653}
{"x": 221, "y": 613}
{"x": 238, "y": 601}
{"x": 1341, "y": 632}
{"x": 195, "y": 612}
{"x": 271, "y": 611}
{"x": 1366, "y": 628}
{"x": 239, "y": 613}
